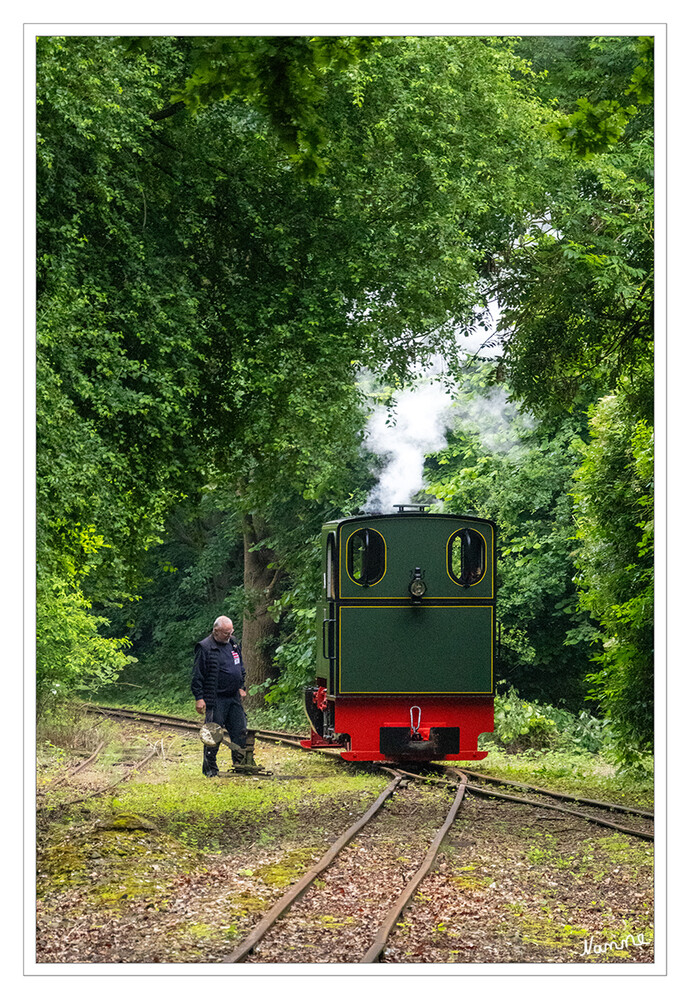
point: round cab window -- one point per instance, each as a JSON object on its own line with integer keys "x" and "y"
{"x": 466, "y": 557}
{"x": 366, "y": 557}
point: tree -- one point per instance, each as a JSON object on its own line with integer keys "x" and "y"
{"x": 118, "y": 358}
{"x": 283, "y": 77}
{"x": 114, "y": 440}
{"x": 192, "y": 577}
{"x": 614, "y": 512}
{"x": 576, "y": 289}
{"x": 580, "y": 310}
{"x": 71, "y": 655}
{"x": 209, "y": 283}
{"x": 371, "y": 265}
{"x": 507, "y": 467}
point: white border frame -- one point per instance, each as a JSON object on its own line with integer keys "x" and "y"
{"x": 385, "y": 26}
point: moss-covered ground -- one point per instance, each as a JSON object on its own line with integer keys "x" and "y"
{"x": 523, "y": 886}
{"x": 171, "y": 867}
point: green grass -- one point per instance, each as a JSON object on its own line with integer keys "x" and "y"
{"x": 568, "y": 762}
{"x": 589, "y": 775}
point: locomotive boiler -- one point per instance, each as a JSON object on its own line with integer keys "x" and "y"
{"x": 406, "y": 637}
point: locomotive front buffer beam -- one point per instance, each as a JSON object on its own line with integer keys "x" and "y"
{"x": 400, "y": 728}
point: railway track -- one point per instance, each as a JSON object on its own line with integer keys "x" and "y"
{"x": 54, "y": 808}
{"x": 491, "y": 779}
{"x": 149, "y": 717}
{"x": 66, "y": 777}
{"x": 478, "y": 780}
{"x": 340, "y": 870}
{"x": 594, "y": 808}
{"x": 183, "y": 724}
{"x": 267, "y": 935}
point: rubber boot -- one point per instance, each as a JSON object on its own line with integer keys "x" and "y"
{"x": 210, "y": 766}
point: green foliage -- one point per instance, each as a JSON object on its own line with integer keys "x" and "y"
{"x": 522, "y": 726}
{"x": 593, "y": 128}
{"x": 194, "y": 576}
{"x": 202, "y": 312}
{"x": 71, "y": 655}
{"x": 642, "y": 82}
{"x": 282, "y": 77}
{"x": 500, "y": 464}
{"x": 614, "y": 514}
{"x": 576, "y": 290}
{"x": 116, "y": 366}
{"x": 295, "y": 656}
{"x": 346, "y": 276}
{"x": 519, "y": 725}
{"x": 581, "y": 732}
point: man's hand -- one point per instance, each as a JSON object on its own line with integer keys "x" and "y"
{"x": 243, "y": 693}
{"x": 201, "y": 706}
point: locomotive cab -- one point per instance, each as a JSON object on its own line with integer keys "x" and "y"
{"x": 406, "y": 635}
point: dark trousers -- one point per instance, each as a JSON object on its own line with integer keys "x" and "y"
{"x": 229, "y": 713}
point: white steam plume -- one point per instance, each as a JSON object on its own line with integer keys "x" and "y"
{"x": 416, "y": 425}
{"x": 493, "y": 418}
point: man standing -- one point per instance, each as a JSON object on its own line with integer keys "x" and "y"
{"x": 218, "y": 686}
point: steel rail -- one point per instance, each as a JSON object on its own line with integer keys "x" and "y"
{"x": 285, "y": 740}
{"x": 375, "y": 951}
{"x": 104, "y": 790}
{"x": 290, "y": 740}
{"x": 476, "y": 789}
{"x": 556, "y": 794}
{"x": 483, "y": 792}
{"x": 131, "y": 712}
{"x": 241, "y": 953}
{"x": 72, "y": 773}
{"x": 167, "y": 721}
{"x": 393, "y": 914}
{"x": 189, "y": 724}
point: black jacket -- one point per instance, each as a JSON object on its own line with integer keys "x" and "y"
{"x": 205, "y": 675}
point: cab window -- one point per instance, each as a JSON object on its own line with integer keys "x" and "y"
{"x": 330, "y": 566}
{"x": 467, "y": 557}
{"x": 366, "y": 557}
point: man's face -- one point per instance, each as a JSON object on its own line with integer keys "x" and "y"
{"x": 222, "y": 632}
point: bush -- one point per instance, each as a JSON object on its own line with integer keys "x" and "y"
{"x": 71, "y": 656}
{"x": 66, "y": 726}
{"x": 519, "y": 725}
{"x": 288, "y": 716}
{"x": 295, "y": 657}
{"x": 582, "y": 732}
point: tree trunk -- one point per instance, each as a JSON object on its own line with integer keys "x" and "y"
{"x": 259, "y": 630}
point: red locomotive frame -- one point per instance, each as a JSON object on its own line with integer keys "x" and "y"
{"x": 364, "y": 720}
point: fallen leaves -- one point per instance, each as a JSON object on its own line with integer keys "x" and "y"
{"x": 115, "y": 895}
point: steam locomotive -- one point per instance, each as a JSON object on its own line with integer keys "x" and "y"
{"x": 406, "y": 637}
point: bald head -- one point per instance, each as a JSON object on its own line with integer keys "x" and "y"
{"x": 222, "y": 629}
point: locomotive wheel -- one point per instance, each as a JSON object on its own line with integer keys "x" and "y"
{"x": 313, "y": 713}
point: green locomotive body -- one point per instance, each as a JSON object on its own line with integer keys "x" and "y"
{"x": 406, "y": 637}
